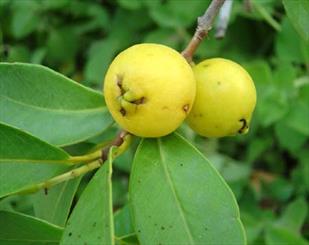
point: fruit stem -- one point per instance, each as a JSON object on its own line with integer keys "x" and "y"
{"x": 85, "y": 158}
{"x": 119, "y": 145}
{"x": 63, "y": 177}
{"x": 204, "y": 25}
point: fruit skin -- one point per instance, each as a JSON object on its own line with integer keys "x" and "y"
{"x": 225, "y": 99}
{"x": 149, "y": 89}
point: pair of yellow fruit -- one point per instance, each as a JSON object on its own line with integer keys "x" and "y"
{"x": 150, "y": 89}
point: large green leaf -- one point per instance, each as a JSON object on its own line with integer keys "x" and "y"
{"x": 20, "y": 229}
{"x": 178, "y": 197}
{"x": 298, "y": 12}
{"x": 92, "y": 219}
{"x": 49, "y": 105}
{"x": 20, "y": 154}
{"x": 55, "y": 206}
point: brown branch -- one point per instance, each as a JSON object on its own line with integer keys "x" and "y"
{"x": 116, "y": 142}
{"x": 203, "y": 27}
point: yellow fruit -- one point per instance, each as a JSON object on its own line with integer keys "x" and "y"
{"x": 225, "y": 99}
{"x": 149, "y": 89}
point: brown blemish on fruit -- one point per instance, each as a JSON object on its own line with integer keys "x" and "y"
{"x": 198, "y": 115}
{"x": 119, "y": 79}
{"x": 186, "y": 108}
{"x": 138, "y": 101}
{"x": 244, "y": 125}
{"x": 164, "y": 108}
{"x": 218, "y": 83}
{"x": 123, "y": 111}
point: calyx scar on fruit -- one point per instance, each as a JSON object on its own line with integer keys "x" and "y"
{"x": 225, "y": 99}
{"x": 149, "y": 89}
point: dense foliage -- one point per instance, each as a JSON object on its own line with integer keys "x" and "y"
{"x": 267, "y": 169}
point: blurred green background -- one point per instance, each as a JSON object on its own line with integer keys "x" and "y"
{"x": 268, "y": 169}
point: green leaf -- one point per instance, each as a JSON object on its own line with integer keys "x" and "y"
{"x": 279, "y": 235}
{"x": 49, "y": 105}
{"x": 20, "y": 229}
{"x": 178, "y": 197}
{"x": 262, "y": 11}
{"x": 18, "y": 145}
{"x": 92, "y": 219}
{"x": 298, "y": 117}
{"x": 123, "y": 222}
{"x": 20, "y": 154}
{"x": 289, "y": 46}
{"x": 164, "y": 36}
{"x": 100, "y": 56}
{"x": 130, "y": 4}
{"x": 25, "y": 18}
{"x": 62, "y": 45}
{"x": 172, "y": 14}
{"x": 288, "y": 137}
{"x": 294, "y": 216}
{"x": 55, "y": 206}
{"x": 298, "y": 12}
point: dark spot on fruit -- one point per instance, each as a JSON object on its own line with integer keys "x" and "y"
{"x": 45, "y": 191}
{"x": 79, "y": 236}
{"x": 198, "y": 115}
{"x": 181, "y": 164}
{"x": 244, "y": 125}
{"x": 123, "y": 111}
{"x": 186, "y": 108}
{"x": 139, "y": 231}
{"x": 218, "y": 83}
{"x": 119, "y": 79}
{"x": 70, "y": 233}
{"x": 164, "y": 108}
{"x": 138, "y": 101}
{"x": 94, "y": 224}
{"x": 162, "y": 228}
{"x": 206, "y": 65}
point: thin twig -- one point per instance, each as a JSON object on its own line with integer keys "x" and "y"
{"x": 63, "y": 177}
{"x": 116, "y": 142}
{"x": 247, "y": 5}
{"x": 223, "y": 19}
{"x": 204, "y": 25}
{"x": 122, "y": 141}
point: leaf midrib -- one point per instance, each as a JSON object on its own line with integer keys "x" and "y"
{"x": 28, "y": 240}
{"x": 103, "y": 108}
{"x": 38, "y": 161}
{"x": 170, "y": 183}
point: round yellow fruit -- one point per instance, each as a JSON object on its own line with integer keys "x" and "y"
{"x": 225, "y": 99}
{"x": 149, "y": 89}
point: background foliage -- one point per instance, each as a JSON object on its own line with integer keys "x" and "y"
{"x": 268, "y": 169}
